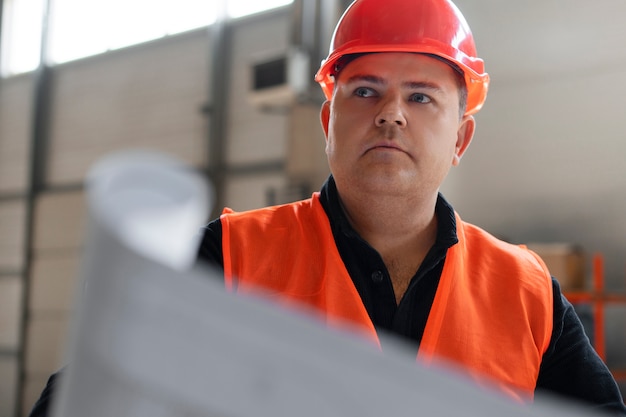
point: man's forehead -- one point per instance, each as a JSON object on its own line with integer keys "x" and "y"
{"x": 373, "y": 66}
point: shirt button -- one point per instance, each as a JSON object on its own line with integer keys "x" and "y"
{"x": 377, "y": 276}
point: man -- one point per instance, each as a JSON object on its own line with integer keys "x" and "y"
{"x": 380, "y": 249}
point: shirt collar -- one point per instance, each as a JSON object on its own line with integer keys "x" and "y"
{"x": 446, "y": 226}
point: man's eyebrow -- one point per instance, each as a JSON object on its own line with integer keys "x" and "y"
{"x": 381, "y": 81}
{"x": 421, "y": 85}
{"x": 365, "y": 77}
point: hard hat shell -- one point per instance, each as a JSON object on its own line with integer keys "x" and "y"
{"x": 421, "y": 26}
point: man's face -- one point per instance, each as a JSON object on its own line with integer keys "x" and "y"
{"x": 393, "y": 124}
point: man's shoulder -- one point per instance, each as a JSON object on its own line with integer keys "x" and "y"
{"x": 493, "y": 250}
{"x": 474, "y": 233}
{"x": 276, "y": 213}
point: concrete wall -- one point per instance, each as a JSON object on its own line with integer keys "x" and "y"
{"x": 546, "y": 161}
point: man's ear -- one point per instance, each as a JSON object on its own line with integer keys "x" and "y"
{"x": 325, "y": 116}
{"x": 463, "y": 138}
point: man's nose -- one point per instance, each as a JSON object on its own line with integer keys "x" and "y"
{"x": 391, "y": 112}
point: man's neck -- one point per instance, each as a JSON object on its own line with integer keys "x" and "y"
{"x": 388, "y": 219}
{"x": 401, "y": 230}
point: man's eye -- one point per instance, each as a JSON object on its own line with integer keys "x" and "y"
{"x": 420, "y": 98}
{"x": 364, "y": 92}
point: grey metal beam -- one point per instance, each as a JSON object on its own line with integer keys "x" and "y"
{"x": 264, "y": 167}
{"x": 13, "y": 196}
{"x": 216, "y": 110}
{"x": 37, "y": 169}
{"x": 10, "y": 273}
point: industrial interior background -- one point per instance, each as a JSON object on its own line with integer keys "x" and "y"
{"x": 546, "y": 165}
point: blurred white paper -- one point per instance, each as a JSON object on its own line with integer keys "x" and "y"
{"x": 161, "y": 338}
{"x": 151, "y": 203}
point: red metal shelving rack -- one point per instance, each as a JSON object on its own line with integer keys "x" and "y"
{"x": 598, "y": 298}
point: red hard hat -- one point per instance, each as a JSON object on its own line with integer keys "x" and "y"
{"x": 424, "y": 26}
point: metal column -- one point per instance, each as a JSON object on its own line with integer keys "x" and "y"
{"x": 37, "y": 169}
{"x": 216, "y": 109}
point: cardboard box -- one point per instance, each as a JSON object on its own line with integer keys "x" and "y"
{"x": 566, "y": 262}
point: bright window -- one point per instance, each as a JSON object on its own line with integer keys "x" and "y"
{"x": 21, "y": 35}
{"x": 79, "y": 28}
{"x": 238, "y": 8}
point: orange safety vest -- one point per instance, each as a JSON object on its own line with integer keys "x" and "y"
{"x": 492, "y": 312}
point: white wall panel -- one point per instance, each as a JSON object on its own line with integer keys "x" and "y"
{"x": 250, "y": 191}
{"x": 16, "y": 96}
{"x": 59, "y": 222}
{"x": 11, "y": 288}
{"x": 254, "y": 136}
{"x": 12, "y": 234}
{"x": 53, "y": 282}
{"x": 8, "y": 387}
{"x": 148, "y": 96}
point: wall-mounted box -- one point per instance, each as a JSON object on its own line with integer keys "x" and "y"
{"x": 277, "y": 81}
